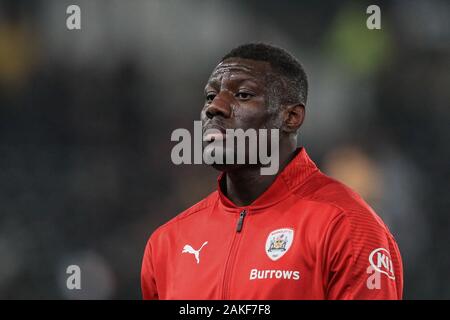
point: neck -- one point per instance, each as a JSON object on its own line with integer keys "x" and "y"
{"x": 245, "y": 185}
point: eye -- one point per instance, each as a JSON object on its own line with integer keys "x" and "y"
{"x": 210, "y": 96}
{"x": 242, "y": 95}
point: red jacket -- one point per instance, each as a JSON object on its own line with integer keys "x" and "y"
{"x": 307, "y": 237}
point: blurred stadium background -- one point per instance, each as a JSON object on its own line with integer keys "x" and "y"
{"x": 86, "y": 118}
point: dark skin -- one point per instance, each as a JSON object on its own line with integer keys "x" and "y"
{"x": 238, "y": 95}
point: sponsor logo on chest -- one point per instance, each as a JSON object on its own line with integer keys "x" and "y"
{"x": 279, "y": 242}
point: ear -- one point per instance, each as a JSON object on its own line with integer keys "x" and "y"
{"x": 293, "y": 116}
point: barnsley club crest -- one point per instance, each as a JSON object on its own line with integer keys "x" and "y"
{"x": 278, "y": 243}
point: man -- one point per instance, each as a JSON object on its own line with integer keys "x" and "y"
{"x": 297, "y": 234}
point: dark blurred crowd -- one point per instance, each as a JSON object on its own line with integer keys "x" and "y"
{"x": 86, "y": 117}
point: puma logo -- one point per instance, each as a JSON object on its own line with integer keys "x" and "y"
{"x": 188, "y": 249}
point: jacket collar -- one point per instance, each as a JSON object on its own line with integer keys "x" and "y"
{"x": 293, "y": 175}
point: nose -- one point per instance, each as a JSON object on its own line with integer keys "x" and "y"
{"x": 220, "y": 106}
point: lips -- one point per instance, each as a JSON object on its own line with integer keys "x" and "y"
{"x": 213, "y": 137}
{"x": 213, "y": 133}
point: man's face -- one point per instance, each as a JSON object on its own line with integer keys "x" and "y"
{"x": 237, "y": 96}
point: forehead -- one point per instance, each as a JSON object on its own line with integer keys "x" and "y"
{"x": 236, "y": 68}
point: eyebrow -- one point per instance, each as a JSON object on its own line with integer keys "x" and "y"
{"x": 235, "y": 67}
{"x": 215, "y": 82}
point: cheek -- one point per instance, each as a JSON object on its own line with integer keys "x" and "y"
{"x": 203, "y": 113}
{"x": 252, "y": 116}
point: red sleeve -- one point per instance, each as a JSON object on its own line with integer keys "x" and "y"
{"x": 148, "y": 284}
{"x": 362, "y": 259}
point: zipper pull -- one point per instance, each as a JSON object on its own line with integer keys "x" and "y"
{"x": 240, "y": 221}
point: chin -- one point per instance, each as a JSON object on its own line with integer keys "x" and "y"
{"x": 227, "y": 167}
{"x": 234, "y": 167}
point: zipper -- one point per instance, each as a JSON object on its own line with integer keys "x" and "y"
{"x": 232, "y": 255}
{"x": 241, "y": 220}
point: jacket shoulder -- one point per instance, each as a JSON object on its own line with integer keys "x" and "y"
{"x": 323, "y": 189}
{"x": 196, "y": 208}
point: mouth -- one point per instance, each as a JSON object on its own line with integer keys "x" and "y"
{"x": 209, "y": 137}
{"x": 213, "y": 133}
